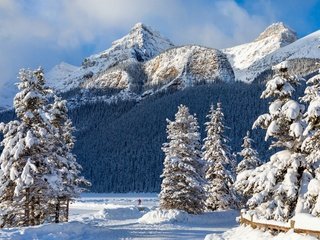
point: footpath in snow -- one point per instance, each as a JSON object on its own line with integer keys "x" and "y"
{"x": 118, "y": 216}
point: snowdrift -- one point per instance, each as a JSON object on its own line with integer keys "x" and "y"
{"x": 175, "y": 216}
{"x": 118, "y": 212}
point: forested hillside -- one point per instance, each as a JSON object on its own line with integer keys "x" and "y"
{"x": 119, "y": 145}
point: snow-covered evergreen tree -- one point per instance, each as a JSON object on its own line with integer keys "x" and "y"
{"x": 68, "y": 182}
{"x": 37, "y": 166}
{"x": 311, "y": 144}
{"x": 182, "y": 185}
{"x": 250, "y": 159}
{"x": 25, "y": 156}
{"x": 276, "y": 187}
{"x": 219, "y": 161}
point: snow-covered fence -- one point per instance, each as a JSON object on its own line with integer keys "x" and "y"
{"x": 264, "y": 225}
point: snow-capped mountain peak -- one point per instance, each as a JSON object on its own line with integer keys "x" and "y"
{"x": 144, "y": 39}
{"x": 274, "y": 37}
{"x": 140, "y": 44}
{"x": 278, "y": 30}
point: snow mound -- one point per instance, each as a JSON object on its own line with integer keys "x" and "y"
{"x": 118, "y": 212}
{"x": 72, "y": 230}
{"x": 217, "y": 218}
{"x": 164, "y": 216}
{"x": 306, "y": 221}
{"x": 249, "y": 233}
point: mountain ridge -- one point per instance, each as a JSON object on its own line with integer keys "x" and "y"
{"x": 126, "y": 64}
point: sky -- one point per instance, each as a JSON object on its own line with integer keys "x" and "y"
{"x": 46, "y": 32}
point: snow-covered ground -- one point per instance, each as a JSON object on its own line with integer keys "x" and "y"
{"x": 118, "y": 216}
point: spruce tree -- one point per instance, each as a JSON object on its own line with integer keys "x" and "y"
{"x": 311, "y": 145}
{"x": 36, "y": 164}
{"x": 276, "y": 186}
{"x": 250, "y": 159}
{"x": 68, "y": 181}
{"x": 182, "y": 185}
{"x": 27, "y": 164}
{"x": 219, "y": 161}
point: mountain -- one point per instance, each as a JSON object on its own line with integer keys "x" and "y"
{"x": 301, "y": 57}
{"x": 188, "y": 66}
{"x": 141, "y": 44}
{"x": 122, "y": 96}
{"x": 253, "y": 61}
{"x": 143, "y": 62}
{"x": 271, "y": 39}
{"x": 7, "y": 92}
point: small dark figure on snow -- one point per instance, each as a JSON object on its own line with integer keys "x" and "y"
{"x": 139, "y": 201}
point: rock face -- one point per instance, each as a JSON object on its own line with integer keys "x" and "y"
{"x": 187, "y": 66}
{"x": 175, "y": 68}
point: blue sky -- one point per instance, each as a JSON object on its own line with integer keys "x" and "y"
{"x": 46, "y": 32}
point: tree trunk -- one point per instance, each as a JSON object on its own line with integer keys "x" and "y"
{"x": 26, "y": 208}
{"x": 67, "y": 210}
{"x": 57, "y": 211}
{"x": 32, "y": 220}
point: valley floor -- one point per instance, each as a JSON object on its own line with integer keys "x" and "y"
{"x": 118, "y": 216}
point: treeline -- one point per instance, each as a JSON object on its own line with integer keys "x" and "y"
{"x": 119, "y": 144}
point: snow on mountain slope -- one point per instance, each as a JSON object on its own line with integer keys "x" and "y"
{"x": 274, "y": 37}
{"x": 55, "y": 77}
{"x": 144, "y": 59}
{"x": 7, "y": 92}
{"x": 301, "y": 55}
{"x": 141, "y": 44}
{"x": 187, "y": 66}
{"x": 179, "y": 67}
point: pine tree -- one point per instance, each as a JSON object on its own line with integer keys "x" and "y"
{"x": 250, "y": 159}
{"x": 182, "y": 185}
{"x": 219, "y": 159}
{"x": 311, "y": 145}
{"x": 276, "y": 186}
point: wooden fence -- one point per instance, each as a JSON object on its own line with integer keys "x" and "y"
{"x": 276, "y": 228}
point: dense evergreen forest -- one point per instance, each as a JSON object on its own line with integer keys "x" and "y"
{"x": 119, "y": 144}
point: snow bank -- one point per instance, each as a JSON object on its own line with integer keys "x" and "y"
{"x": 306, "y": 221}
{"x": 72, "y": 230}
{"x": 163, "y": 216}
{"x": 249, "y": 233}
{"x": 218, "y": 218}
{"x": 119, "y": 212}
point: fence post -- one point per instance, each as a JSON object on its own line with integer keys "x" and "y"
{"x": 292, "y": 222}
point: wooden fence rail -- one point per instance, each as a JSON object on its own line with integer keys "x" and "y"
{"x": 276, "y": 228}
